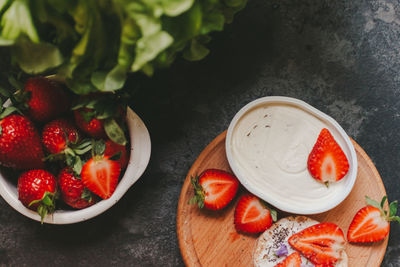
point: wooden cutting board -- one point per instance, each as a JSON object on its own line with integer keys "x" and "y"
{"x": 209, "y": 238}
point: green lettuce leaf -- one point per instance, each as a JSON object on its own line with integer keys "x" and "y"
{"x": 36, "y": 58}
{"x": 17, "y": 21}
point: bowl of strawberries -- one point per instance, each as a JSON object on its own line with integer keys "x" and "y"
{"x": 66, "y": 158}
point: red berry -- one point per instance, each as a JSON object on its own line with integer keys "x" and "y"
{"x": 252, "y": 215}
{"x": 214, "y": 189}
{"x": 84, "y": 118}
{"x": 20, "y": 145}
{"x": 372, "y": 222}
{"x": 293, "y": 260}
{"x": 36, "y": 191}
{"x": 47, "y": 99}
{"x": 100, "y": 175}
{"x": 73, "y": 190}
{"x": 57, "y": 134}
{"x": 321, "y": 243}
{"x": 113, "y": 149}
{"x": 368, "y": 225}
{"x": 327, "y": 161}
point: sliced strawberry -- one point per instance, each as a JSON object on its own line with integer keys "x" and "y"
{"x": 252, "y": 215}
{"x": 100, "y": 175}
{"x": 327, "y": 161}
{"x": 372, "y": 223}
{"x": 214, "y": 189}
{"x": 321, "y": 243}
{"x": 293, "y": 260}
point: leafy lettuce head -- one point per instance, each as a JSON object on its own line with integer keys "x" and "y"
{"x": 93, "y": 44}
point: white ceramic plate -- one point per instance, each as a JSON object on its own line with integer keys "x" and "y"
{"x": 280, "y": 202}
{"x": 139, "y": 158}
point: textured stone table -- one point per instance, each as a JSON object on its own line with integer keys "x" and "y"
{"x": 343, "y": 57}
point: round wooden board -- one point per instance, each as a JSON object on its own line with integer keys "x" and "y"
{"x": 209, "y": 238}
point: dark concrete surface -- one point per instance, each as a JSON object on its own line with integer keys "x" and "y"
{"x": 343, "y": 57}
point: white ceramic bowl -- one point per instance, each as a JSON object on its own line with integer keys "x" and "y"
{"x": 139, "y": 158}
{"x": 280, "y": 202}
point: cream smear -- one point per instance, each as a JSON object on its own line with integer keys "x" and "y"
{"x": 270, "y": 145}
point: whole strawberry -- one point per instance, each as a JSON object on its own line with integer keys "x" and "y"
{"x": 73, "y": 191}
{"x": 45, "y": 99}
{"x": 37, "y": 191}
{"x": 88, "y": 123}
{"x": 99, "y": 117}
{"x": 115, "y": 149}
{"x": 20, "y": 145}
{"x": 57, "y": 135}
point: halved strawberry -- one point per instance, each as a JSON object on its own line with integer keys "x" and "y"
{"x": 321, "y": 243}
{"x": 100, "y": 175}
{"x": 372, "y": 222}
{"x": 293, "y": 260}
{"x": 327, "y": 161}
{"x": 214, "y": 189}
{"x": 252, "y": 215}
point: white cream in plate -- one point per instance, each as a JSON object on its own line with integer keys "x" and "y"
{"x": 270, "y": 144}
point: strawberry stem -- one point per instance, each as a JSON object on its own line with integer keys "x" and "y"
{"x": 392, "y": 208}
{"x": 46, "y": 206}
{"x": 199, "y": 194}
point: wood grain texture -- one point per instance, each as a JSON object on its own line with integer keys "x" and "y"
{"x": 209, "y": 238}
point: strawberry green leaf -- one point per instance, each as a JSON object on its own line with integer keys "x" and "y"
{"x": 92, "y": 103}
{"x": 86, "y": 194}
{"x": 47, "y": 200}
{"x": 78, "y": 165}
{"x": 383, "y": 201}
{"x": 105, "y": 109}
{"x": 393, "y": 208}
{"x": 81, "y": 103}
{"x": 16, "y": 84}
{"x": 7, "y": 111}
{"x": 274, "y": 215}
{"x": 372, "y": 202}
{"x": 114, "y": 131}
{"x": 69, "y": 159}
{"x": 42, "y": 211}
{"x": 88, "y": 115}
{"x": 198, "y": 192}
{"x": 83, "y": 144}
{"x": 395, "y": 218}
{"x": 83, "y": 147}
{"x": 116, "y": 156}
{"x": 4, "y": 92}
{"x": 46, "y": 205}
{"x": 99, "y": 147}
